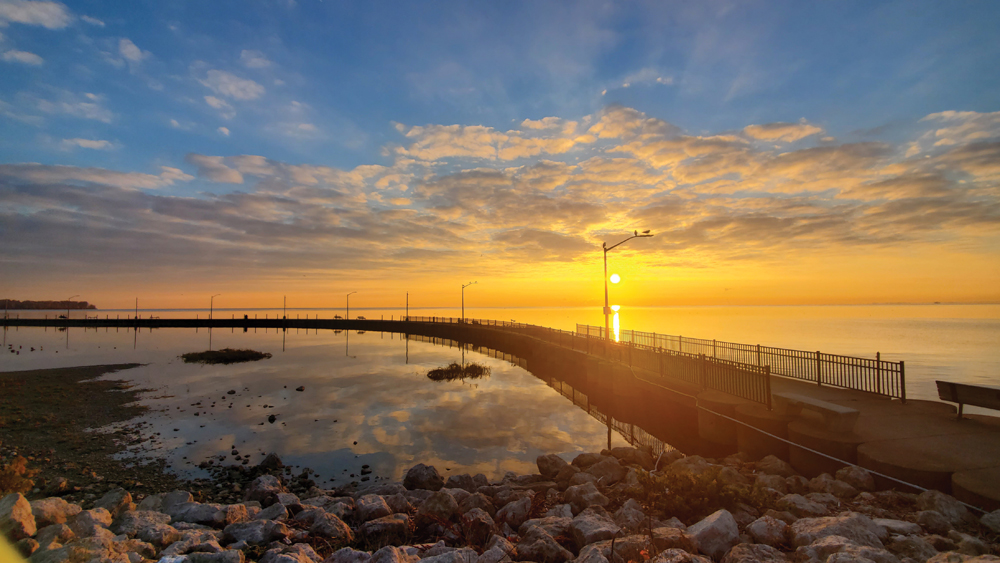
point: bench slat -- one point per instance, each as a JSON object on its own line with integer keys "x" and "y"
{"x": 987, "y": 397}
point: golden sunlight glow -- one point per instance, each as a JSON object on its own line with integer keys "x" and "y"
{"x": 615, "y": 325}
{"x": 615, "y": 278}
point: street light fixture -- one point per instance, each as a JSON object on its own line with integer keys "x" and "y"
{"x": 607, "y": 309}
{"x": 463, "y": 298}
{"x": 67, "y": 304}
{"x": 347, "y": 315}
{"x": 211, "y": 305}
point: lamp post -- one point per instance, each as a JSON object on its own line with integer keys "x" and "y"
{"x": 463, "y": 298}
{"x": 211, "y": 305}
{"x": 67, "y": 304}
{"x": 607, "y": 309}
{"x": 347, "y": 315}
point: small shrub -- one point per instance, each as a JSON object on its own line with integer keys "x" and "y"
{"x": 15, "y": 477}
{"x": 224, "y": 356}
{"x": 456, "y": 371}
{"x": 690, "y": 496}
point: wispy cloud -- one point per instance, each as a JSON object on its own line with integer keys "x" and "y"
{"x": 230, "y": 85}
{"x": 51, "y": 15}
{"x": 96, "y": 144}
{"x": 24, "y": 57}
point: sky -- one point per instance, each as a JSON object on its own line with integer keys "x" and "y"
{"x": 779, "y": 152}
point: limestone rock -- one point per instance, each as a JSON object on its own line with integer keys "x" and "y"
{"x": 515, "y": 513}
{"x": 422, "y": 476}
{"x": 775, "y": 482}
{"x": 585, "y": 460}
{"x": 255, "y": 532}
{"x": 392, "y": 554}
{"x": 898, "y": 527}
{"x": 857, "y": 477}
{"x": 16, "y": 519}
{"x": 857, "y": 528}
{"x": 370, "y": 507}
{"x": 173, "y": 498}
{"x": 53, "y": 510}
{"x": 539, "y": 546}
{"x": 160, "y": 535}
{"x": 914, "y": 547}
{"x": 440, "y": 506}
{"x": 209, "y": 514}
{"x": 88, "y": 522}
{"x": 630, "y": 515}
{"x": 827, "y": 484}
{"x": 54, "y": 533}
{"x": 934, "y": 522}
{"x": 582, "y": 496}
{"x": 667, "y": 537}
{"x": 276, "y": 511}
{"x": 329, "y": 526}
{"x": 397, "y": 503}
{"x": 131, "y": 522}
{"x": 392, "y": 526}
{"x": 754, "y": 553}
{"x": 592, "y": 525}
{"x": 116, "y": 501}
{"x": 477, "y": 500}
{"x": 679, "y": 556}
{"x": 823, "y": 548}
{"x": 801, "y": 507}
{"x": 946, "y": 505}
{"x": 550, "y": 465}
{"x": 463, "y": 481}
{"x": 348, "y": 555}
{"x": 991, "y": 521}
{"x": 608, "y": 471}
{"x": 478, "y": 526}
{"x": 769, "y": 531}
{"x": 773, "y": 465}
{"x": 553, "y": 525}
{"x": 715, "y": 534}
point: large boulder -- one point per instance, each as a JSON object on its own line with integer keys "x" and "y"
{"x": 857, "y": 477}
{"x": 582, "y": 496}
{"x": 754, "y": 553}
{"x": 478, "y": 526}
{"x": 90, "y": 522}
{"x": 131, "y": 522}
{"x": 539, "y": 546}
{"x": 477, "y": 500}
{"x": 329, "y": 526}
{"x": 857, "y": 528}
{"x": 592, "y": 525}
{"x": 439, "y": 506}
{"x": 116, "y": 501}
{"x": 422, "y": 476}
{"x": 393, "y": 526}
{"x": 550, "y": 465}
{"x": 515, "y": 513}
{"x": 769, "y": 531}
{"x": 263, "y": 489}
{"x": 608, "y": 471}
{"x": 773, "y": 465}
{"x": 716, "y": 534}
{"x": 256, "y": 532}
{"x": 16, "y": 518}
{"x": 53, "y": 510}
{"x": 370, "y": 507}
{"x": 947, "y": 505}
{"x": 209, "y": 514}
{"x": 630, "y": 515}
{"x": 464, "y": 482}
{"x": 585, "y": 460}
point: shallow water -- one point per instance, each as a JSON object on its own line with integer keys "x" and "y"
{"x": 367, "y": 401}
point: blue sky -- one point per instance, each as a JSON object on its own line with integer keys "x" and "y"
{"x": 176, "y": 100}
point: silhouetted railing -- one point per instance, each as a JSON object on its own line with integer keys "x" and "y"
{"x": 862, "y": 374}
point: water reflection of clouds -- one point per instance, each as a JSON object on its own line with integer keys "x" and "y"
{"x": 396, "y": 415}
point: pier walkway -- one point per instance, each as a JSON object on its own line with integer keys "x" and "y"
{"x": 711, "y": 406}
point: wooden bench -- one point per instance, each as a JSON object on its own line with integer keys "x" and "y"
{"x": 976, "y": 395}
{"x": 836, "y": 418}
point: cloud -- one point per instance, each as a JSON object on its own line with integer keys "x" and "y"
{"x": 131, "y": 53}
{"x": 226, "y": 110}
{"x": 213, "y": 168}
{"x": 92, "y": 21}
{"x": 44, "y": 174}
{"x": 51, "y": 15}
{"x": 23, "y": 57}
{"x": 785, "y": 132}
{"x": 254, "y": 59}
{"x": 964, "y": 126}
{"x": 87, "y": 106}
{"x": 223, "y": 131}
{"x": 646, "y": 77}
{"x": 230, "y": 85}
{"x": 434, "y": 142}
{"x": 96, "y": 144}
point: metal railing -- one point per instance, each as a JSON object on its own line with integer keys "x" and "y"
{"x": 873, "y": 375}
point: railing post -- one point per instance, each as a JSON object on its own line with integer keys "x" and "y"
{"x": 702, "y": 369}
{"x": 767, "y": 385}
{"x": 758, "y": 355}
{"x": 714, "y": 355}
{"x": 680, "y": 343}
{"x": 902, "y": 381}
{"x": 819, "y": 371}
{"x": 878, "y": 372}
{"x": 660, "y": 358}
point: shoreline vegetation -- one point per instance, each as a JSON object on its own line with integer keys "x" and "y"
{"x": 456, "y": 371}
{"x": 622, "y": 505}
{"x": 225, "y": 356}
{"x": 14, "y": 304}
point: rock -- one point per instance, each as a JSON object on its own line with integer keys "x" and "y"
{"x": 422, "y": 476}
{"x": 691, "y": 464}
{"x": 160, "y": 535}
{"x": 801, "y": 506}
{"x": 477, "y": 500}
{"x": 566, "y": 473}
{"x": 899, "y": 527}
{"x": 116, "y": 501}
{"x": 151, "y": 503}
{"x": 775, "y": 482}
{"x": 953, "y": 557}
{"x": 667, "y": 537}
{"x": 730, "y": 476}
{"x": 271, "y": 462}
{"x": 769, "y": 531}
{"x": 968, "y": 545}
{"x": 826, "y": 499}
{"x": 582, "y": 496}
{"x": 461, "y": 555}
{"x": 88, "y": 522}
{"x": 264, "y": 489}
{"x": 561, "y": 511}
{"x": 478, "y": 526}
{"x": 991, "y": 520}
{"x": 232, "y": 556}
{"x": 857, "y": 528}
{"x": 946, "y": 505}
{"x": 940, "y": 543}
{"x": 934, "y": 522}
{"x": 581, "y": 478}
{"x": 16, "y": 519}
{"x": 26, "y": 546}
{"x": 57, "y": 533}
{"x": 295, "y": 553}
{"x": 608, "y": 471}
{"x": 585, "y": 460}
{"x": 329, "y": 526}
{"x": 493, "y": 555}
{"x": 666, "y": 458}
{"x": 827, "y": 484}
{"x": 370, "y": 507}
{"x": 276, "y": 511}
{"x": 797, "y": 484}
{"x": 784, "y": 516}
{"x": 514, "y": 513}
{"x": 392, "y": 554}
{"x": 172, "y": 499}
{"x": 439, "y": 506}
{"x": 914, "y": 547}
{"x": 209, "y": 514}
{"x": 679, "y": 556}
{"x": 823, "y": 548}
{"x": 715, "y": 534}
{"x": 393, "y": 526}
{"x": 53, "y": 510}
{"x": 630, "y": 515}
{"x": 773, "y": 465}
{"x": 537, "y": 545}
{"x": 349, "y": 555}
{"x": 857, "y": 477}
{"x": 463, "y": 481}
{"x": 592, "y": 525}
{"x": 131, "y": 522}
{"x": 553, "y": 525}
{"x": 550, "y": 465}
{"x": 458, "y": 494}
{"x": 83, "y": 549}
{"x": 290, "y": 502}
{"x": 398, "y": 503}
{"x": 255, "y": 532}
{"x": 754, "y": 553}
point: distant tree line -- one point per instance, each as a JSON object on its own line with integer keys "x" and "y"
{"x": 15, "y": 304}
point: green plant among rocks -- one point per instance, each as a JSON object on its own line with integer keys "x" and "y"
{"x": 224, "y": 356}
{"x": 692, "y": 495}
